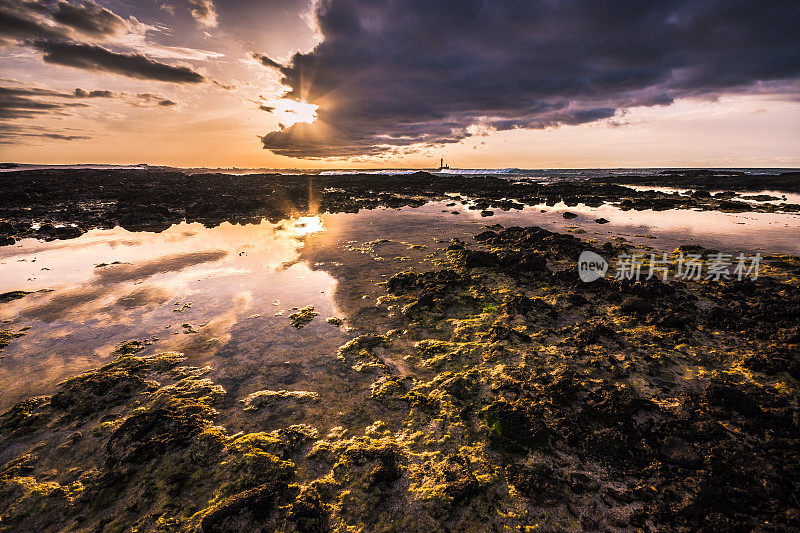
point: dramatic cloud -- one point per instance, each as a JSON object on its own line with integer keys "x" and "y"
{"x": 391, "y": 74}
{"x": 22, "y": 20}
{"x": 58, "y": 30}
{"x": 89, "y": 19}
{"x": 93, "y": 57}
{"x": 204, "y": 13}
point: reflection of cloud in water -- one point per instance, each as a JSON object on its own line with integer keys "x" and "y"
{"x": 217, "y": 332}
{"x": 264, "y": 245}
{"x": 226, "y": 274}
{"x": 105, "y": 286}
{"x": 173, "y": 263}
{"x": 143, "y": 297}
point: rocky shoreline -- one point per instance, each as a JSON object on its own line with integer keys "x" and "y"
{"x": 724, "y": 180}
{"x": 65, "y": 203}
{"x": 511, "y": 396}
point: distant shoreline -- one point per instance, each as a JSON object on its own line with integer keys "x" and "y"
{"x": 10, "y": 167}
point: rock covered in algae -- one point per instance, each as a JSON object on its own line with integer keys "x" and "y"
{"x": 7, "y": 336}
{"x": 262, "y": 398}
{"x": 131, "y": 446}
{"x": 360, "y": 352}
{"x": 303, "y": 316}
{"x": 12, "y": 295}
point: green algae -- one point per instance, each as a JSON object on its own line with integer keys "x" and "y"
{"x": 7, "y": 336}
{"x": 263, "y": 398}
{"x": 303, "y": 317}
{"x": 360, "y": 352}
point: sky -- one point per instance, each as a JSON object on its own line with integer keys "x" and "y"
{"x": 401, "y": 83}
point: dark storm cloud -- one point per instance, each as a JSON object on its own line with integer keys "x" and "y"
{"x": 392, "y": 73}
{"x": 89, "y": 19}
{"x": 167, "y": 103}
{"x": 97, "y": 58}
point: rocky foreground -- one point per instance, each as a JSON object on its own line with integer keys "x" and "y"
{"x": 516, "y": 397}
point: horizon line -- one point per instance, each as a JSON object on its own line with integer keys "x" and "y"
{"x": 703, "y": 167}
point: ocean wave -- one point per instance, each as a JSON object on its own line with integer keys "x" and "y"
{"x": 476, "y": 171}
{"x": 382, "y": 172}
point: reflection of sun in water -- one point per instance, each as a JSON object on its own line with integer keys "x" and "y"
{"x": 290, "y": 112}
{"x": 308, "y": 225}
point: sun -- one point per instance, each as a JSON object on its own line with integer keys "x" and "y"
{"x": 291, "y": 112}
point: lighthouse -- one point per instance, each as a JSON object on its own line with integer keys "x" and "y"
{"x": 442, "y": 166}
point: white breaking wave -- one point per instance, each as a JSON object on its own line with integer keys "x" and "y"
{"x": 456, "y": 171}
{"x": 470, "y": 171}
{"x": 384, "y": 172}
